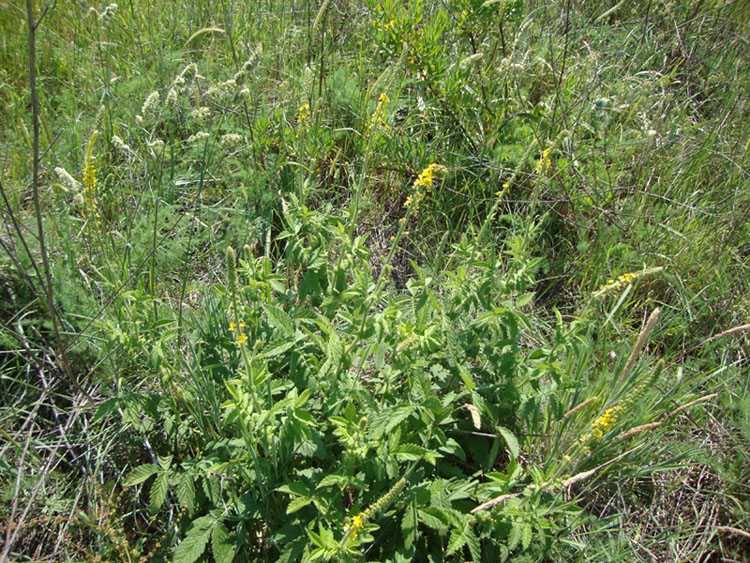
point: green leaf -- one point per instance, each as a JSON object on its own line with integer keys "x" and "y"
{"x": 409, "y": 525}
{"x": 526, "y": 537}
{"x": 510, "y": 440}
{"x": 465, "y": 376}
{"x": 294, "y": 488}
{"x": 335, "y": 349}
{"x": 410, "y": 452}
{"x": 457, "y": 541}
{"x": 330, "y": 480}
{"x": 514, "y": 538}
{"x": 433, "y": 517}
{"x": 106, "y": 408}
{"x": 159, "y": 492}
{"x": 186, "y": 491}
{"x": 298, "y": 503}
{"x": 473, "y": 542}
{"x": 222, "y": 544}
{"x": 140, "y": 474}
{"x": 280, "y": 319}
{"x": 165, "y": 462}
{"x": 192, "y": 547}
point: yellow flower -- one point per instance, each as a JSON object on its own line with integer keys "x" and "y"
{"x": 231, "y": 326}
{"x": 356, "y": 526}
{"x": 89, "y": 175}
{"x": 242, "y": 338}
{"x": 303, "y": 115}
{"x": 605, "y": 422}
{"x": 544, "y": 162}
{"x": 378, "y": 120}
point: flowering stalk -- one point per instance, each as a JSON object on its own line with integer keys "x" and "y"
{"x": 358, "y": 522}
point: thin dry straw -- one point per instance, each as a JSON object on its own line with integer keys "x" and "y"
{"x": 579, "y": 407}
{"x": 568, "y": 482}
{"x": 642, "y": 337}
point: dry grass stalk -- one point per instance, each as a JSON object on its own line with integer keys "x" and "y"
{"x": 637, "y": 430}
{"x": 579, "y": 407}
{"x": 692, "y": 403}
{"x": 639, "y": 344}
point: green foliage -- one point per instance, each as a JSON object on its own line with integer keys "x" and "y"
{"x": 289, "y": 344}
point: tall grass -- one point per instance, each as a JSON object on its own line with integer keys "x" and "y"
{"x": 392, "y": 281}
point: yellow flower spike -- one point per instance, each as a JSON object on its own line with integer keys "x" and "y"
{"x": 544, "y": 162}
{"x": 303, "y": 116}
{"x": 377, "y": 120}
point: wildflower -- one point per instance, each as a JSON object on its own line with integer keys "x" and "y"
{"x": 544, "y": 162}
{"x": 171, "y": 97}
{"x": 303, "y": 116}
{"x": 108, "y": 13}
{"x": 616, "y": 284}
{"x": 356, "y": 527}
{"x": 197, "y": 137}
{"x": 242, "y": 338}
{"x": 67, "y": 181}
{"x": 157, "y": 145}
{"x": 150, "y": 103}
{"x": 200, "y": 114}
{"x": 501, "y": 192}
{"x": 89, "y": 190}
{"x": 89, "y": 175}
{"x": 358, "y": 522}
{"x": 605, "y": 422}
{"x": 377, "y": 120}
{"x": 422, "y": 185}
{"x": 230, "y": 140}
{"x": 120, "y": 144}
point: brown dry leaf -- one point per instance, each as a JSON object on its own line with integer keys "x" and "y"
{"x": 475, "y": 418}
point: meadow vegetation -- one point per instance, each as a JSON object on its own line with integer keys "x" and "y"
{"x": 391, "y": 280}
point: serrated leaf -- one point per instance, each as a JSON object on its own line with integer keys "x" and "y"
{"x": 475, "y": 548}
{"x": 526, "y": 536}
{"x": 222, "y": 544}
{"x": 411, "y": 452}
{"x": 298, "y": 503}
{"x": 409, "y": 525}
{"x": 465, "y": 375}
{"x": 159, "y": 492}
{"x": 192, "y": 547}
{"x": 186, "y": 491}
{"x": 456, "y": 542}
{"x": 514, "y": 537}
{"x": 279, "y": 319}
{"x": 292, "y": 551}
{"x": 165, "y": 462}
{"x": 433, "y": 518}
{"x": 140, "y": 474}
{"x": 106, "y": 408}
{"x": 335, "y": 349}
{"x": 330, "y": 480}
{"x": 510, "y": 440}
{"x": 294, "y": 488}
{"x": 386, "y": 420}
